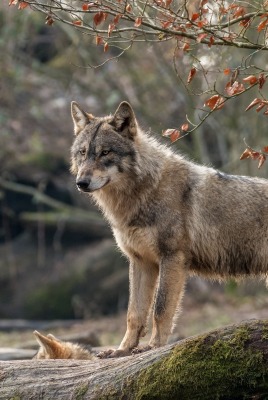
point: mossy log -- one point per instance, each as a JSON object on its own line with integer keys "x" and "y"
{"x": 77, "y": 221}
{"x": 228, "y": 363}
{"x": 69, "y": 217}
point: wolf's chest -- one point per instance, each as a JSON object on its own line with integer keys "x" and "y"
{"x": 138, "y": 242}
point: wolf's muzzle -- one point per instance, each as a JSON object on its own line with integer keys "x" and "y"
{"x": 83, "y": 185}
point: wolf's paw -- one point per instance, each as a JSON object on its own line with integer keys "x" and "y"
{"x": 113, "y": 353}
{"x": 141, "y": 349}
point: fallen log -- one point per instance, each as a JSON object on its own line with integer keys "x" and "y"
{"x": 11, "y": 353}
{"x": 71, "y": 218}
{"x": 76, "y": 222}
{"x": 7, "y": 325}
{"x": 228, "y": 363}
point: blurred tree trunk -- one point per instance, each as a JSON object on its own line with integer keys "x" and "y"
{"x": 228, "y": 363}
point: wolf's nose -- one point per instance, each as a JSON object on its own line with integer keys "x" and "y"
{"x": 82, "y": 184}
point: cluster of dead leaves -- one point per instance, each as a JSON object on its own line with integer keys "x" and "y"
{"x": 175, "y": 134}
{"x": 196, "y": 21}
{"x": 260, "y": 103}
{"x": 22, "y": 4}
{"x": 255, "y": 155}
{"x": 234, "y": 87}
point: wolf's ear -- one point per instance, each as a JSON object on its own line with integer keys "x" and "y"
{"x": 124, "y": 120}
{"x": 80, "y": 117}
{"x": 52, "y": 337}
{"x": 43, "y": 341}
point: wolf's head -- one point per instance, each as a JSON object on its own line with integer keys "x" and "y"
{"x": 103, "y": 150}
{"x": 53, "y": 348}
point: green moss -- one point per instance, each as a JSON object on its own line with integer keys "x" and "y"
{"x": 81, "y": 391}
{"x": 205, "y": 368}
{"x": 109, "y": 392}
{"x": 265, "y": 333}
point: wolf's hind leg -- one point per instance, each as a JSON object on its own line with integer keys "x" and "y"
{"x": 168, "y": 296}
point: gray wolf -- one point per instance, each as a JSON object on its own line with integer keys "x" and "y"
{"x": 171, "y": 217}
{"x": 53, "y": 348}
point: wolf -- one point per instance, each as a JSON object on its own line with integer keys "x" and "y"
{"x": 171, "y": 217}
{"x": 53, "y": 348}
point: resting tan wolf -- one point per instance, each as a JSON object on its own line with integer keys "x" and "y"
{"x": 170, "y": 217}
{"x": 53, "y": 348}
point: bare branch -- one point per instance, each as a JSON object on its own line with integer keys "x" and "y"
{"x": 197, "y": 30}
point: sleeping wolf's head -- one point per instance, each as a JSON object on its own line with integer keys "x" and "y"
{"x": 103, "y": 151}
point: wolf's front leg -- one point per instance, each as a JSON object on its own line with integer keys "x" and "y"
{"x": 142, "y": 280}
{"x": 172, "y": 276}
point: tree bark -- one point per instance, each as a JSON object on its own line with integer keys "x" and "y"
{"x": 228, "y": 363}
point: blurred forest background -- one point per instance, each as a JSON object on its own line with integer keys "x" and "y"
{"x": 58, "y": 259}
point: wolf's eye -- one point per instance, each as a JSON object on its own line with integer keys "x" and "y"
{"x": 82, "y": 152}
{"x": 105, "y": 152}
